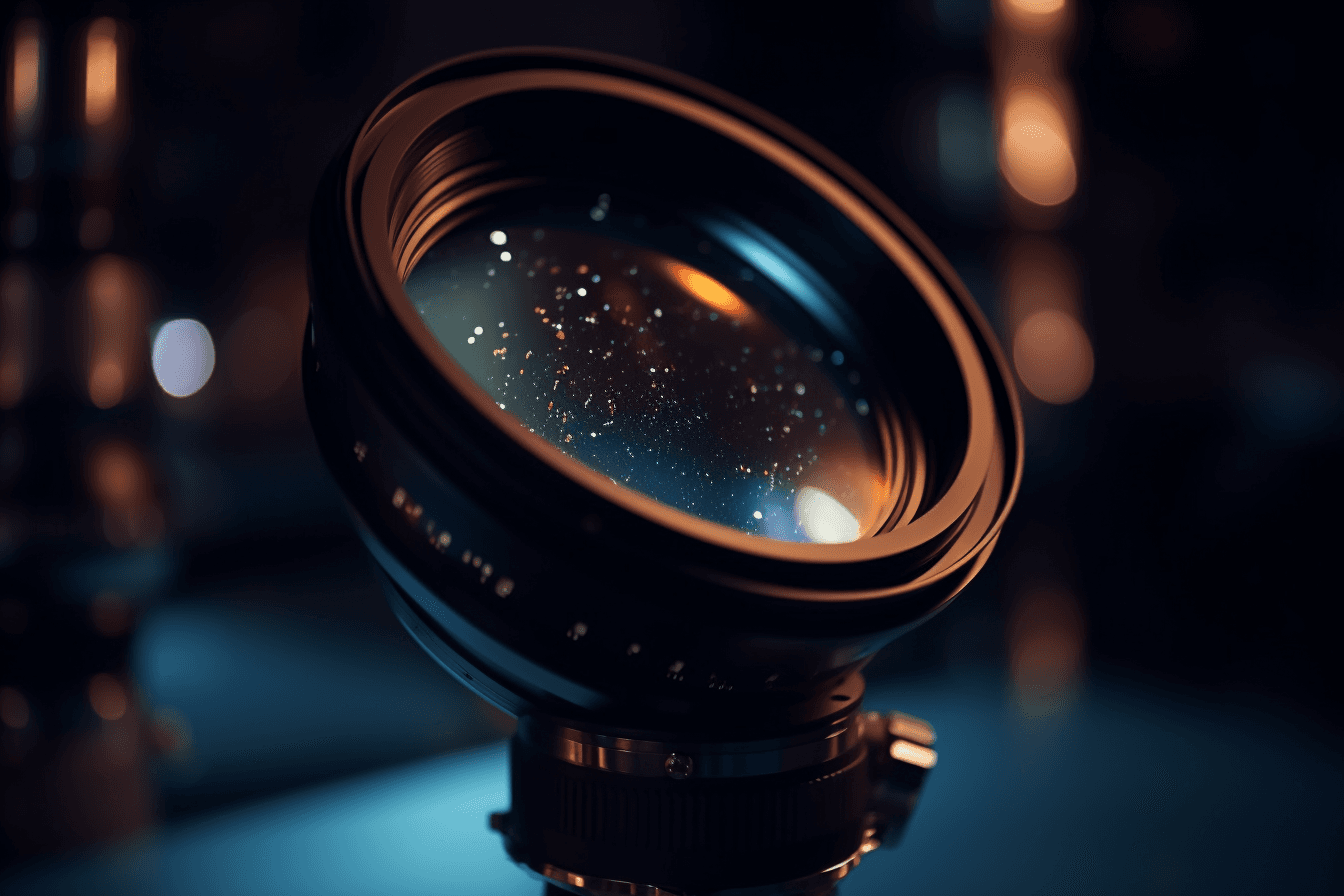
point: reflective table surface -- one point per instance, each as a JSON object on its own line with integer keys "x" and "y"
{"x": 1123, "y": 791}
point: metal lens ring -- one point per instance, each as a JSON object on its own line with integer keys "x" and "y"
{"x": 734, "y": 556}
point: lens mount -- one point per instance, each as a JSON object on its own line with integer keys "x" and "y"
{"x": 543, "y": 583}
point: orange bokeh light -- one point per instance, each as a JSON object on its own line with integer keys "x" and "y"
{"x": 115, "y": 292}
{"x": 1035, "y": 154}
{"x": 1053, "y": 356}
{"x": 100, "y": 72}
{"x": 1033, "y": 15}
{"x": 25, "y": 78}
{"x": 1046, "y": 634}
{"x": 117, "y": 474}
{"x": 107, "y": 697}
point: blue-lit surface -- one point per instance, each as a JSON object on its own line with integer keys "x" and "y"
{"x": 417, "y": 829}
{"x": 271, "y": 700}
{"x": 1128, "y": 792}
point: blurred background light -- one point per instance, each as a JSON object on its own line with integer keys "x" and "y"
{"x": 183, "y": 357}
{"x": 107, "y": 696}
{"x": 100, "y": 72}
{"x": 1033, "y": 15}
{"x": 116, "y": 315}
{"x": 1053, "y": 356}
{"x": 1034, "y": 152}
{"x": 25, "y": 79}
{"x": 1045, "y": 648}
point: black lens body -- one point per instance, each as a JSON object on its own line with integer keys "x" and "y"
{"x": 548, "y": 588}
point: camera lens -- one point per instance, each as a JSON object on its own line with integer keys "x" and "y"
{"x": 661, "y": 422}
{"x": 661, "y": 376}
{"x": 647, "y": 405}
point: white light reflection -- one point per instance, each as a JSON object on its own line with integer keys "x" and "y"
{"x": 183, "y": 357}
{"x": 823, "y": 518}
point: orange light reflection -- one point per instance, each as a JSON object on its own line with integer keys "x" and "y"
{"x": 708, "y": 290}
{"x": 904, "y": 751}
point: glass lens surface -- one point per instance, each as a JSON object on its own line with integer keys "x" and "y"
{"x": 669, "y": 381}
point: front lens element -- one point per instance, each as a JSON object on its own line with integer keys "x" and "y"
{"x": 673, "y": 382}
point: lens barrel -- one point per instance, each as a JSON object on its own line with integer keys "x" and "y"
{"x": 548, "y": 587}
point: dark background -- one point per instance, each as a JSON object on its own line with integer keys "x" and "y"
{"x": 1188, "y": 504}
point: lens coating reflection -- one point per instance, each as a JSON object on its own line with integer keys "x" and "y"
{"x": 660, "y": 376}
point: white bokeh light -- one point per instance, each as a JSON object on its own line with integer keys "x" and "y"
{"x": 823, "y": 518}
{"x": 183, "y": 356}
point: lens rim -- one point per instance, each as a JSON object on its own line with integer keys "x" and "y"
{"x": 986, "y": 482}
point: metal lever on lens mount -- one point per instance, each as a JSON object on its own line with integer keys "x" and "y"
{"x": 900, "y": 755}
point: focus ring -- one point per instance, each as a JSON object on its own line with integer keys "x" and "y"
{"x": 686, "y": 834}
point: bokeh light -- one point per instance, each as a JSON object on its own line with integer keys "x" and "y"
{"x": 120, "y": 480}
{"x": 25, "y": 78}
{"x": 1035, "y": 154}
{"x": 183, "y": 357}
{"x": 1046, "y": 635}
{"x": 115, "y": 291}
{"x": 1053, "y": 356}
{"x": 100, "y": 73}
{"x": 107, "y": 696}
{"x": 1033, "y": 15}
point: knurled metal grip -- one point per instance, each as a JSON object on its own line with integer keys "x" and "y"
{"x": 608, "y": 820}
